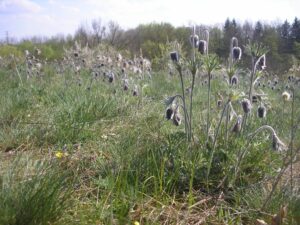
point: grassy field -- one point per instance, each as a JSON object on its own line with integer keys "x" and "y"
{"x": 81, "y": 151}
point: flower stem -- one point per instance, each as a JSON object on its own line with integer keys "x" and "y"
{"x": 184, "y": 105}
{"x": 208, "y": 107}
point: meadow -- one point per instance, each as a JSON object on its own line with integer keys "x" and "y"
{"x": 99, "y": 138}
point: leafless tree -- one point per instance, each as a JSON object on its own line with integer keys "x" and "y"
{"x": 98, "y": 30}
{"x": 114, "y": 33}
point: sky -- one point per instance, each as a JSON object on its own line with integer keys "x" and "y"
{"x": 25, "y": 18}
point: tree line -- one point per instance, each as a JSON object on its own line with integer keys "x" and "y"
{"x": 282, "y": 40}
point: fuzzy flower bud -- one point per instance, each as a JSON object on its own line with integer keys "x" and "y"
{"x": 194, "y": 40}
{"x": 234, "y": 80}
{"x": 261, "y": 111}
{"x": 174, "y": 56}
{"x": 246, "y": 104}
{"x": 236, "y": 53}
{"x": 202, "y": 46}
{"x": 238, "y": 125}
{"x": 111, "y": 77}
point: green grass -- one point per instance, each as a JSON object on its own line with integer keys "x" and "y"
{"x": 125, "y": 161}
{"x": 33, "y": 192}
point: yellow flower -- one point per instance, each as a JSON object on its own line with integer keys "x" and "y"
{"x": 59, "y": 154}
{"x": 136, "y": 223}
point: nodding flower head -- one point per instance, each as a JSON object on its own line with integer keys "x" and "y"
{"x": 286, "y": 96}
{"x": 202, "y": 46}
{"x": 234, "y": 80}
{"x": 169, "y": 113}
{"x": 174, "y": 56}
{"x": 261, "y": 111}
{"x": 261, "y": 63}
{"x": 290, "y": 78}
{"x": 236, "y": 53}
{"x": 277, "y": 144}
{"x": 238, "y": 125}
{"x": 176, "y": 117}
{"x": 125, "y": 85}
{"x": 194, "y": 40}
{"x": 219, "y": 103}
{"x": 246, "y": 104}
{"x": 76, "y": 54}
{"x": 135, "y": 91}
{"x": 111, "y": 77}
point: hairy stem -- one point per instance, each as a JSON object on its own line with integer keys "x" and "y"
{"x": 191, "y": 104}
{"x": 208, "y": 107}
{"x": 184, "y": 105}
{"x": 251, "y": 79}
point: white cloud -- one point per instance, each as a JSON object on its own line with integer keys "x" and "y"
{"x": 19, "y": 6}
{"x": 48, "y": 17}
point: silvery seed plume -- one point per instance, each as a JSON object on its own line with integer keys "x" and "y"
{"x": 238, "y": 125}
{"x": 246, "y": 105}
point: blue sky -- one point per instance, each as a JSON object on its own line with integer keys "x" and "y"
{"x": 23, "y": 18}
